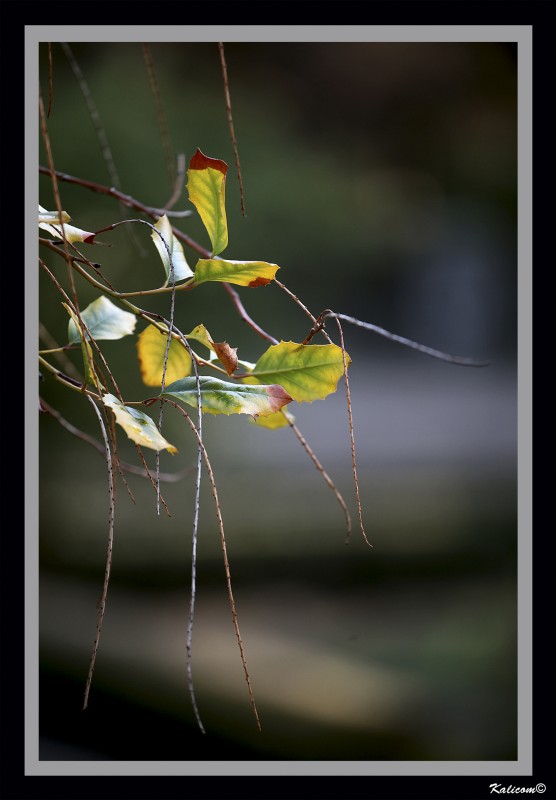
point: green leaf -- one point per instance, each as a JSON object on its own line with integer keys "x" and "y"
{"x": 243, "y": 273}
{"x": 206, "y": 184}
{"x": 151, "y": 347}
{"x": 71, "y": 233}
{"x": 306, "y": 371}
{"x": 139, "y": 427}
{"x": 222, "y": 397}
{"x": 226, "y": 354}
{"x": 182, "y": 270}
{"x": 104, "y": 321}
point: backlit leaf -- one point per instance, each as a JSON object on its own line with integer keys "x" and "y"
{"x": 180, "y": 266}
{"x": 243, "y": 273}
{"x": 206, "y": 184}
{"x": 139, "y": 427}
{"x": 72, "y": 234}
{"x": 222, "y": 397}
{"x": 104, "y": 321}
{"x": 306, "y": 371}
{"x": 226, "y": 354}
{"x": 151, "y": 347}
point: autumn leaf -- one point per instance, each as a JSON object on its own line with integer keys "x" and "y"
{"x": 139, "y": 427}
{"x": 50, "y": 221}
{"x": 222, "y": 397}
{"x": 306, "y": 371}
{"x": 104, "y": 321}
{"x": 242, "y": 273}
{"x": 206, "y": 185}
{"x": 226, "y": 354}
{"x": 151, "y": 347}
{"x": 179, "y": 264}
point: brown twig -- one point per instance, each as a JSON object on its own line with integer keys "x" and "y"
{"x": 231, "y": 123}
{"x": 133, "y": 469}
{"x": 351, "y": 435}
{"x": 50, "y": 82}
{"x": 160, "y": 115}
{"x": 225, "y": 554}
{"x": 324, "y": 474}
{"x": 108, "y": 567}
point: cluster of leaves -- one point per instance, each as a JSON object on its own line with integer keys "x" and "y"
{"x": 286, "y": 371}
{"x": 169, "y": 359}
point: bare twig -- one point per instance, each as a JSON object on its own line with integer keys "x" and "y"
{"x": 351, "y": 436}
{"x": 226, "y": 561}
{"x": 160, "y": 115}
{"x": 50, "y": 82}
{"x": 108, "y": 567}
{"x": 125, "y": 199}
{"x": 429, "y": 351}
{"x": 231, "y": 123}
{"x": 245, "y": 316}
{"x": 328, "y": 480}
{"x": 168, "y": 477}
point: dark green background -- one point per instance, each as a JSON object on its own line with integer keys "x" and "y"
{"x": 382, "y": 179}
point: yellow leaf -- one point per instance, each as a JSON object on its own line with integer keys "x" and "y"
{"x": 151, "y": 347}
{"x": 206, "y": 185}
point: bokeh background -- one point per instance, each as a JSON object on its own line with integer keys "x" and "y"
{"x": 382, "y": 178}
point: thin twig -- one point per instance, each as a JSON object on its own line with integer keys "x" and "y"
{"x": 132, "y": 203}
{"x": 178, "y": 188}
{"x": 231, "y": 123}
{"x": 94, "y": 115}
{"x": 171, "y": 278}
{"x": 108, "y": 567}
{"x": 160, "y": 115}
{"x": 50, "y": 82}
{"x": 125, "y": 199}
{"x": 245, "y": 316}
{"x": 429, "y": 351}
{"x": 351, "y": 435}
{"x": 324, "y": 474}
{"x": 168, "y": 477}
{"x": 105, "y": 150}
{"x": 226, "y": 561}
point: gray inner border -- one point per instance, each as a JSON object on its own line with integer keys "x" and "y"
{"x": 522, "y": 35}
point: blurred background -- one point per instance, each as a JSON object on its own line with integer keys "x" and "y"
{"x": 382, "y": 179}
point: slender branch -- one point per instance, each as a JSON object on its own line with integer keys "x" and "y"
{"x": 50, "y": 82}
{"x": 226, "y": 561}
{"x": 160, "y": 115}
{"x": 328, "y": 480}
{"x": 168, "y": 477}
{"x": 231, "y": 123}
{"x": 108, "y": 567}
{"x": 245, "y": 316}
{"x": 351, "y": 435}
{"x": 178, "y": 188}
{"x": 132, "y": 203}
{"x": 125, "y": 199}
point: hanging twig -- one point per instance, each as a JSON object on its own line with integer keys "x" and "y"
{"x": 231, "y": 123}
{"x": 168, "y": 477}
{"x": 108, "y": 567}
{"x": 328, "y": 480}
{"x": 224, "y": 551}
{"x": 160, "y": 115}
{"x": 50, "y": 83}
{"x": 351, "y": 436}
